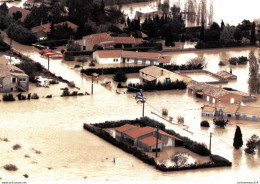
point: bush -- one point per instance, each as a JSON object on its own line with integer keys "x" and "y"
{"x": 10, "y": 167}
{"x": 220, "y": 122}
{"x": 21, "y": 34}
{"x": 221, "y": 63}
{"x": 120, "y": 76}
{"x": 218, "y": 159}
{"x": 159, "y": 86}
{"x": 238, "y": 60}
{"x": 200, "y": 148}
{"x": 164, "y": 111}
{"x": 73, "y": 46}
{"x": 180, "y": 119}
{"x": 8, "y": 97}
{"x": 35, "y": 96}
{"x": 77, "y": 66}
{"x": 65, "y": 92}
{"x": 82, "y": 59}
{"x": 251, "y": 144}
{"x": 16, "y": 147}
{"x": 204, "y": 124}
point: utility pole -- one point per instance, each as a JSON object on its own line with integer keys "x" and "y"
{"x": 156, "y": 141}
{"x": 92, "y": 84}
{"x": 143, "y": 106}
{"x": 48, "y": 61}
{"x": 210, "y": 141}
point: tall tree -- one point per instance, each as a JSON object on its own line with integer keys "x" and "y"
{"x": 254, "y": 80}
{"x": 253, "y": 38}
{"x": 238, "y": 141}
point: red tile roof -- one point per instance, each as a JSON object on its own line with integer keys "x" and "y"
{"x": 150, "y": 141}
{"x": 168, "y": 135}
{"x": 125, "y": 127}
{"x": 141, "y": 55}
{"x": 109, "y": 53}
{"x": 14, "y": 9}
{"x": 249, "y": 110}
{"x": 138, "y": 132}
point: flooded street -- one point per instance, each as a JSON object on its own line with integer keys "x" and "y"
{"x": 53, "y": 127}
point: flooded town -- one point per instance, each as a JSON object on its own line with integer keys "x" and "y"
{"x": 108, "y": 91}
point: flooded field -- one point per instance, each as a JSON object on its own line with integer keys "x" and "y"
{"x": 54, "y": 127}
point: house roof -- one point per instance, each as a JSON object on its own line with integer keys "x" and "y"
{"x": 210, "y": 90}
{"x": 226, "y": 75}
{"x": 141, "y": 55}
{"x": 149, "y": 78}
{"x": 14, "y": 9}
{"x": 104, "y": 39}
{"x": 207, "y": 108}
{"x": 155, "y": 71}
{"x": 230, "y": 108}
{"x": 138, "y": 132}
{"x": 125, "y": 127}
{"x": 47, "y": 27}
{"x": 150, "y": 141}
{"x": 164, "y": 59}
{"x": 109, "y": 53}
{"x": 6, "y": 70}
{"x": 168, "y": 135}
{"x": 249, "y": 110}
{"x": 241, "y": 93}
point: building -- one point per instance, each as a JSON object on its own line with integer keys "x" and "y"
{"x": 41, "y": 31}
{"x": 226, "y": 75}
{"x": 215, "y": 94}
{"x": 12, "y": 79}
{"x": 144, "y": 138}
{"x": 107, "y": 42}
{"x": 156, "y": 74}
{"x": 232, "y": 111}
{"x": 15, "y": 9}
{"x": 121, "y": 56}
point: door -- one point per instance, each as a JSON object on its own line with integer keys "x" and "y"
{"x": 254, "y": 118}
{"x": 143, "y": 61}
{"x": 244, "y": 117}
{"x": 136, "y": 61}
{"x": 237, "y": 116}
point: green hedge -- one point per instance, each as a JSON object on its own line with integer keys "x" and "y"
{"x": 4, "y": 46}
{"x": 135, "y": 69}
{"x": 158, "y": 86}
{"x": 77, "y": 53}
{"x": 53, "y": 43}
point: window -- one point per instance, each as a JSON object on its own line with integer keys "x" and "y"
{"x": 12, "y": 89}
{"x": 207, "y": 98}
{"x": 232, "y": 100}
{"x": 213, "y": 100}
{"x": 22, "y": 79}
{"x": 14, "y": 80}
{"x": 167, "y": 80}
{"x": 84, "y": 47}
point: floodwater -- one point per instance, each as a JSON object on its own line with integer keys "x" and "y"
{"x": 222, "y": 9}
{"x": 54, "y": 127}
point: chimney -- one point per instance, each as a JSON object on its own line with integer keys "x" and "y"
{"x": 161, "y": 72}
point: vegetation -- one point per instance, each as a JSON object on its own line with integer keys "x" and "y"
{"x": 30, "y": 68}
{"x": 204, "y": 124}
{"x": 164, "y": 111}
{"x": 238, "y": 60}
{"x": 179, "y": 159}
{"x": 238, "y": 141}
{"x": 120, "y": 76}
{"x": 8, "y": 97}
{"x": 158, "y": 86}
{"x": 10, "y": 167}
{"x": 254, "y": 78}
{"x": 16, "y": 147}
{"x": 220, "y": 122}
{"x": 73, "y": 46}
{"x": 21, "y": 34}
{"x": 251, "y": 144}
{"x": 35, "y": 96}
{"x": 180, "y": 119}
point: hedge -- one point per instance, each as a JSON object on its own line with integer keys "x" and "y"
{"x": 77, "y": 53}
{"x": 4, "y": 46}
{"x": 97, "y": 129}
{"x": 135, "y": 69}
{"x": 158, "y": 86}
{"x": 53, "y": 43}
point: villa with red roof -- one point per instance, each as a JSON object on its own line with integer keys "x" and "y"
{"x": 41, "y": 31}
{"x": 107, "y": 42}
{"x": 156, "y": 74}
{"x": 122, "y": 56}
{"x": 144, "y": 138}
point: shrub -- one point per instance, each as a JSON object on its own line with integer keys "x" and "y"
{"x": 238, "y": 60}
{"x": 10, "y": 167}
{"x": 204, "y": 124}
{"x": 221, "y": 63}
{"x": 91, "y": 64}
{"x": 180, "y": 119}
{"x": 21, "y": 97}
{"x": 73, "y": 46}
{"x": 238, "y": 141}
{"x": 65, "y": 92}
{"x": 218, "y": 159}
{"x": 164, "y": 111}
{"x": 35, "y": 96}
{"x": 179, "y": 159}
{"x": 82, "y": 59}
{"x": 200, "y": 148}
{"x": 54, "y": 81}
{"x": 120, "y": 76}
{"x": 77, "y": 66}
{"x": 16, "y": 147}
{"x": 8, "y": 97}
{"x": 251, "y": 144}
{"x": 220, "y": 122}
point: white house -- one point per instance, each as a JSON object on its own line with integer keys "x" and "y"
{"x": 12, "y": 79}
{"x": 119, "y": 56}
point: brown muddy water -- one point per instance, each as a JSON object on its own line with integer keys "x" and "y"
{"x": 54, "y": 127}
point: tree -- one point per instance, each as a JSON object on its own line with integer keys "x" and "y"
{"x": 238, "y": 35}
{"x": 17, "y": 15}
{"x": 56, "y": 14}
{"x": 222, "y": 25}
{"x": 251, "y": 144}
{"x": 37, "y": 16}
{"x": 253, "y": 37}
{"x": 97, "y": 47}
{"x": 180, "y": 159}
{"x": 3, "y": 9}
{"x": 220, "y": 122}
{"x": 254, "y": 79}
{"x": 73, "y": 46}
{"x": 227, "y": 34}
{"x": 238, "y": 141}
{"x": 120, "y": 76}
{"x": 169, "y": 40}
